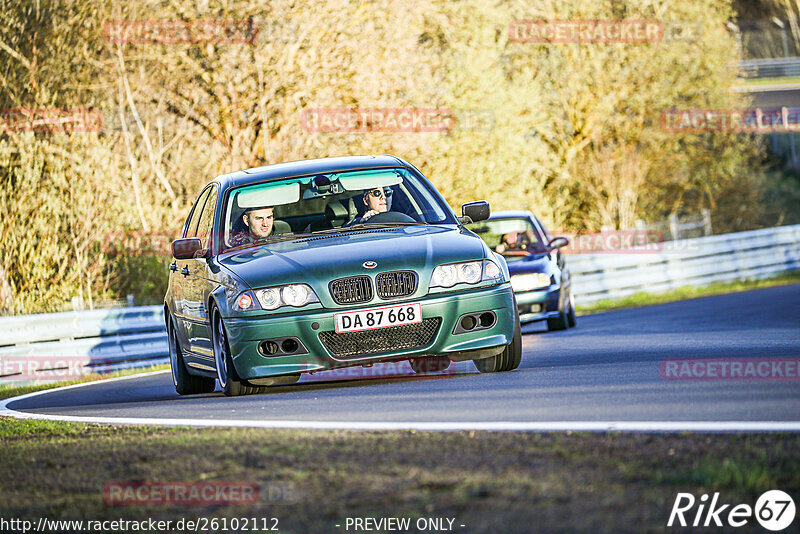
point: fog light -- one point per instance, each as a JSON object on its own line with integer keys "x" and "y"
{"x": 289, "y": 345}
{"x": 487, "y": 319}
{"x": 468, "y": 322}
{"x": 269, "y": 348}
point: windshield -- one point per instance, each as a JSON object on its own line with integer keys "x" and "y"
{"x": 513, "y": 237}
{"x": 329, "y": 203}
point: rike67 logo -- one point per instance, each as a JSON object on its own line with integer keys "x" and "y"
{"x": 774, "y": 510}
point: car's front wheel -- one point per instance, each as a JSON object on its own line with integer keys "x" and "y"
{"x": 562, "y": 321}
{"x": 572, "y": 318}
{"x": 511, "y": 357}
{"x": 230, "y": 382}
{"x": 185, "y": 383}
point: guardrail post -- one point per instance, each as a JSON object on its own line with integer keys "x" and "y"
{"x": 706, "y": 222}
{"x": 674, "y": 228}
{"x": 77, "y": 303}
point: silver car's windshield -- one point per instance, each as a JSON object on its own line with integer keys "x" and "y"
{"x": 510, "y": 237}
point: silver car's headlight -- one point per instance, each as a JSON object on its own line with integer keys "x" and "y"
{"x": 272, "y": 298}
{"x": 468, "y": 272}
{"x": 529, "y": 282}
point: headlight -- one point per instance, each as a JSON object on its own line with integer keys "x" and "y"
{"x": 470, "y": 272}
{"x": 529, "y": 282}
{"x": 296, "y": 295}
{"x": 444, "y": 276}
{"x": 269, "y": 298}
{"x": 272, "y": 298}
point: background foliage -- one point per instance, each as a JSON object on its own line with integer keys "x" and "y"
{"x": 574, "y": 134}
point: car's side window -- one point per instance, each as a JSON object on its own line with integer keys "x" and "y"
{"x": 190, "y": 230}
{"x": 206, "y": 222}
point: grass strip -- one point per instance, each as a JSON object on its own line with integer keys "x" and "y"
{"x": 313, "y": 480}
{"x": 688, "y": 292}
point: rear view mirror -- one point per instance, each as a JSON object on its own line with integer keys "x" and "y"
{"x": 475, "y": 211}
{"x": 185, "y": 249}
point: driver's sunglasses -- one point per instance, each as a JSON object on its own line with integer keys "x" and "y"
{"x": 377, "y": 193}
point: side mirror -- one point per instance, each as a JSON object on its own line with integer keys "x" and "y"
{"x": 474, "y": 211}
{"x": 558, "y": 242}
{"x": 186, "y": 249}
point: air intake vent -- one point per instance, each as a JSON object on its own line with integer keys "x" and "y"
{"x": 381, "y": 340}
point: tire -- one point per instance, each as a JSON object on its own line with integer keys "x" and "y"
{"x": 184, "y": 382}
{"x": 232, "y": 385}
{"x": 559, "y": 323}
{"x": 429, "y": 364}
{"x": 572, "y": 319}
{"x": 510, "y": 358}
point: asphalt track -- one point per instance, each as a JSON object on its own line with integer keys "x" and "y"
{"x": 608, "y": 373}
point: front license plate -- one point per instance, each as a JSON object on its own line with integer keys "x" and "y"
{"x": 356, "y": 321}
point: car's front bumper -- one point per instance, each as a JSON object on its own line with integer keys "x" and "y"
{"x": 245, "y": 334}
{"x": 539, "y": 304}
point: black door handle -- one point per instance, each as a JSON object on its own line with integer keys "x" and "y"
{"x": 173, "y": 267}
{"x": 185, "y": 271}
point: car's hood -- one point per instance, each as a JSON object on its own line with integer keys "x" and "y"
{"x": 318, "y": 260}
{"x": 538, "y": 262}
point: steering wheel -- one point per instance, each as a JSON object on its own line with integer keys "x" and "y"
{"x": 389, "y": 217}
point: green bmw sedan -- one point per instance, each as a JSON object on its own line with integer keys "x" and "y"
{"x": 321, "y": 264}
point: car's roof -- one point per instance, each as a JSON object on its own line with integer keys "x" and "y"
{"x": 308, "y": 166}
{"x": 510, "y": 214}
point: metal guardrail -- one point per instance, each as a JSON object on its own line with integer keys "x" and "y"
{"x": 64, "y": 346}
{"x": 105, "y": 340}
{"x": 785, "y": 67}
{"x": 699, "y": 261}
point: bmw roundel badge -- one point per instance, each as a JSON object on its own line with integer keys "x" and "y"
{"x": 369, "y": 264}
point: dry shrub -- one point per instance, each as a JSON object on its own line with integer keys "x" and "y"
{"x": 574, "y": 132}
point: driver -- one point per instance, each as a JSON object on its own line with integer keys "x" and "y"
{"x": 377, "y": 201}
{"x": 514, "y": 241}
{"x": 259, "y": 223}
